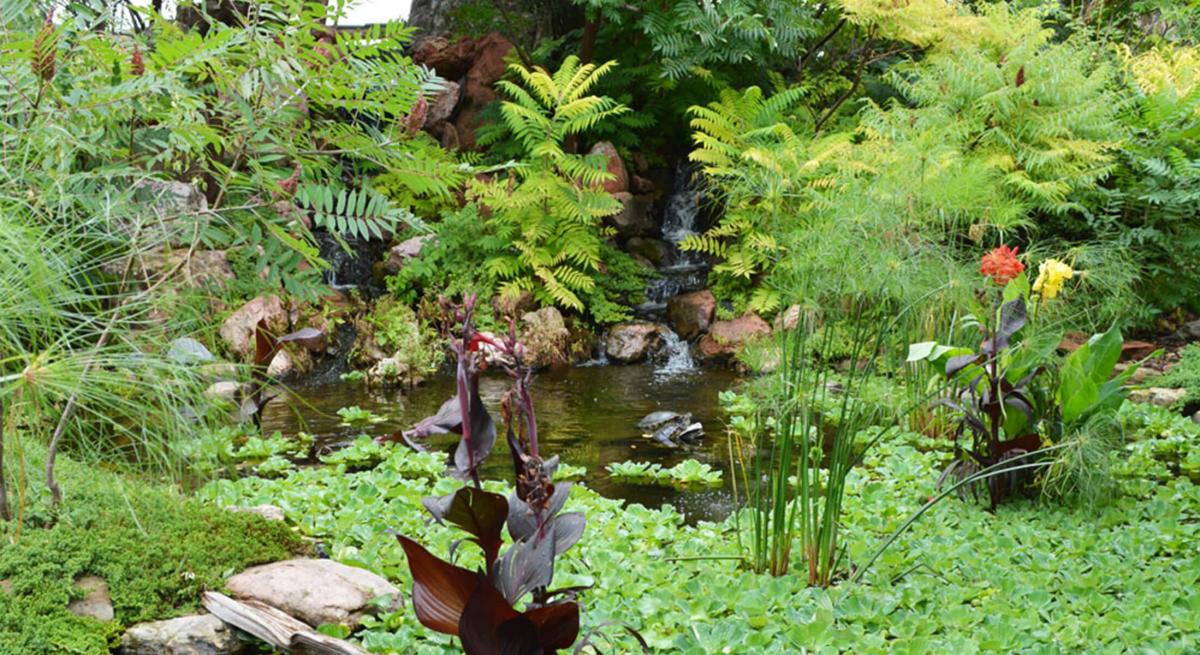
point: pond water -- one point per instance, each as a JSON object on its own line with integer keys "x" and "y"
{"x": 586, "y": 414}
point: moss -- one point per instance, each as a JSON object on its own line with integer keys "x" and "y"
{"x": 156, "y": 548}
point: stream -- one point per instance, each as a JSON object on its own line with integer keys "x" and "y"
{"x": 586, "y": 414}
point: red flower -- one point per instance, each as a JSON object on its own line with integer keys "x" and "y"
{"x": 1001, "y": 265}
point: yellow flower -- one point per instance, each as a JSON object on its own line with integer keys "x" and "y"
{"x": 1052, "y": 273}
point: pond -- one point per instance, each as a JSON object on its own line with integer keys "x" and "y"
{"x": 587, "y": 415}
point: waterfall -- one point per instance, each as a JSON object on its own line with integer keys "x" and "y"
{"x": 675, "y": 354}
{"x": 681, "y": 270}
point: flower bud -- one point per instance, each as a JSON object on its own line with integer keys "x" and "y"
{"x": 136, "y": 65}
{"x": 44, "y": 46}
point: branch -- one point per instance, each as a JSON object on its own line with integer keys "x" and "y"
{"x": 858, "y": 74}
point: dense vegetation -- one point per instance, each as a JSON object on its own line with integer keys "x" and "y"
{"x": 952, "y": 217}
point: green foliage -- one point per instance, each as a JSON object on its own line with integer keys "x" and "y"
{"x": 409, "y": 343}
{"x": 960, "y": 581}
{"x": 547, "y": 209}
{"x": 1151, "y": 206}
{"x": 361, "y": 213}
{"x": 451, "y": 262}
{"x": 1184, "y": 375}
{"x": 689, "y": 37}
{"x": 689, "y": 472}
{"x": 157, "y": 550}
{"x": 356, "y": 416}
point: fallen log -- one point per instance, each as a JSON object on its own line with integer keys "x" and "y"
{"x": 276, "y": 628}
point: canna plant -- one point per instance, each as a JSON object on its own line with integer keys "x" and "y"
{"x": 479, "y": 607}
{"x": 1007, "y": 402}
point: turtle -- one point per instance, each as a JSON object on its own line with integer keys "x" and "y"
{"x": 668, "y": 428}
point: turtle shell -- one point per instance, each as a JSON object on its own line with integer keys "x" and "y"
{"x": 656, "y": 419}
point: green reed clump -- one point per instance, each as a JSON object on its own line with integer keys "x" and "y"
{"x": 801, "y": 446}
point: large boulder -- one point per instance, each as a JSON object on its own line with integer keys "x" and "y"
{"x": 200, "y": 634}
{"x": 616, "y": 167}
{"x": 198, "y": 268}
{"x": 634, "y": 342}
{"x": 635, "y": 218}
{"x": 449, "y": 60}
{"x": 176, "y": 212}
{"x": 1191, "y": 330}
{"x": 545, "y": 337}
{"x": 316, "y": 591}
{"x": 486, "y": 70}
{"x": 691, "y": 313}
{"x": 405, "y": 251}
{"x": 507, "y": 306}
{"x": 238, "y": 330}
{"x": 726, "y": 338}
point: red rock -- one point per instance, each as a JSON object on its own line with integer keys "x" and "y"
{"x": 1134, "y": 350}
{"x": 489, "y": 66}
{"x": 616, "y": 167}
{"x": 691, "y": 313}
{"x": 726, "y": 338}
{"x": 449, "y": 60}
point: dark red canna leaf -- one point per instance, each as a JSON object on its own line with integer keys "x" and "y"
{"x": 474, "y": 449}
{"x": 477, "y": 512}
{"x": 440, "y": 589}
{"x": 490, "y": 626}
{"x": 557, "y": 625}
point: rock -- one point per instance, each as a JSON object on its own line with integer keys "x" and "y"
{"x": 177, "y": 210}
{"x": 639, "y": 184}
{"x": 1140, "y": 375}
{"x": 635, "y": 218}
{"x": 200, "y": 634}
{"x": 268, "y": 512}
{"x": 487, "y": 69}
{"x": 186, "y": 350}
{"x": 316, "y": 591}
{"x": 1195, "y": 419}
{"x": 1190, "y": 330}
{"x": 403, "y": 252}
{"x": 96, "y": 602}
{"x": 238, "y": 330}
{"x": 726, "y": 338}
{"x": 1161, "y": 396}
{"x": 447, "y": 136}
{"x": 442, "y": 107}
{"x": 6, "y": 586}
{"x": 283, "y": 365}
{"x": 224, "y": 391}
{"x": 545, "y": 337}
{"x": 202, "y": 267}
{"x": 691, "y": 313}
{"x": 788, "y": 319}
{"x": 513, "y": 306}
{"x": 449, "y": 60}
{"x": 1136, "y": 350}
{"x": 634, "y": 342}
{"x": 391, "y": 371}
{"x": 616, "y": 167}
{"x": 654, "y": 251}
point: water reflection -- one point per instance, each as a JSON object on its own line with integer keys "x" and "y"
{"x": 587, "y": 415}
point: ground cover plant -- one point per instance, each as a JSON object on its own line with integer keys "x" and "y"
{"x": 959, "y": 580}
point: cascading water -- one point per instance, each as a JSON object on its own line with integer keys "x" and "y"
{"x": 676, "y": 356}
{"x": 681, "y": 270}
